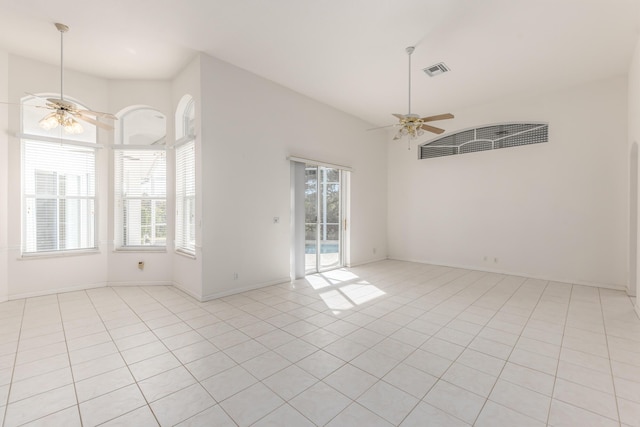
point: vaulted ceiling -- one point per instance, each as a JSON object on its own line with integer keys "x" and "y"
{"x": 346, "y": 53}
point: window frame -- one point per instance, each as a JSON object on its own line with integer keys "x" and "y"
{"x": 185, "y": 203}
{"x": 92, "y": 217}
{"x": 121, "y": 225}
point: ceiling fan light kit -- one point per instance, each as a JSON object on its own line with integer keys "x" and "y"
{"x": 67, "y": 114}
{"x": 412, "y": 125}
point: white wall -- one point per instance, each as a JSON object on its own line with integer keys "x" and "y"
{"x": 633, "y": 113}
{"x": 36, "y": 276}
{"x": 4, "y": 175}
{"x": 187, "y": 272}
{"x": 249, "y": 127}
{"x": 123, "y": 265}
{"x": 556, "y": 210}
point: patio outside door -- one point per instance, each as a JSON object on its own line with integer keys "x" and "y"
{"x": 323, "y": 219}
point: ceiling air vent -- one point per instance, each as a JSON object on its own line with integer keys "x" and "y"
{"x": 436, "y": 69}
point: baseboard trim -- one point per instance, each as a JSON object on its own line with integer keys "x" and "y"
{"x": 234, "y": 291}
{"x": 140, "y": 283}
{"x": 514, "y": 273}
{"x": 192, "y": 294}
{"x": 370, "y": 261}
{"x": 58, "y": 291}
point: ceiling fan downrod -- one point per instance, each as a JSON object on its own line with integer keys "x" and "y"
{"x": 63, "y": 29}
{"x": 410, "y": 50}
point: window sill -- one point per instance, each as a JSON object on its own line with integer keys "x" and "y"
{"x": 60, "y": 254}
{"x": 140, "y": 249}
{"x": 186, "y": 254}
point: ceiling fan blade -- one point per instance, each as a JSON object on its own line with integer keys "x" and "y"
{"x": 432, "y": 129}
{"x": 438, "y": 117}
{"x": 398, "y": 116}
{"x": 96, "y": 114}
{"x": 383, "y": 127}
{"x": 94, "y": 122}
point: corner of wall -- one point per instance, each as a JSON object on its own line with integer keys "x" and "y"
{"x": 4, "y": 177}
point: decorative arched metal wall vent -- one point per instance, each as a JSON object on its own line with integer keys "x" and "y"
{"x": 484, "y": 138}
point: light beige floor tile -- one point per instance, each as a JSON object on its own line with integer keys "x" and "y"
{"x": 143, "y": 352}
{"x": 586, "y": 398}
{"x": 94, "y": 352}
{"x": 387, "y": 401}
{"x": 428, "y": 362}
{"x": 356, "y": 414}
{"x": 165, "y": 383}
{"x": 40, "y": 405}
{"x": 290, "y": 382}
{"x": 455, "y": 401}
{"x": 411, "y": 380}
{"x": 141, "y": 417}
{"x": 528, "y": 378}
{"x": 154, "y": 366}
{"x": 39, "y": 384}
{"x": 296, "y": 350}
{"x": 195, "y": 351}
{"x": 351, "y": 381}
{"x": 585, "y": 376}
{"x": 182, "y": 405}
{"x": 285, "y": 415}
{"x": 111, "y": 405}
{"x": 213, "y": 416}
{"x": 246, "y": 350}
{"x": 210, "y": 365}
{"x": 98, "y": 366}
{"x": 251, "y": 404}
{"x": 423, "y": 412}
{"x": 375, "y": 363}
{"x": 320, "y": 403}
{"x": 229, "y": 382}
{"x": 494, "y": 415}
{"x": 566, "y": 415}
{"x": 40, "y": 367}
{"x": 482, "y": 362}
{"x": 69, "y": 417}
{"x": 470, "y": 379}
{"x": 320, "y": 364}
{"x": 520, "y": 399}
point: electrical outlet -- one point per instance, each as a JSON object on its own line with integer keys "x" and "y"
{"x": 375, "y": 250}
{"x": 235, "y": 276}
{"x": 495, "y": 260}
{"x": 485, "y": 258}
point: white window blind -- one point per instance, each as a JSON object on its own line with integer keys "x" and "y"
{"x": 185, "y": 198}
{"x": 59, "y": 198}
{"x": 140, "y": 198}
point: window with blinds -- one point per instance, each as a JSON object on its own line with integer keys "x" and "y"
{"x": 185, "y": 238}
{"x": 140, "y": 173}
{"x": 58, "y": 188}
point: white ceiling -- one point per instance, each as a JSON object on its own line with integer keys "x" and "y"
{"x": 346, "y": 53}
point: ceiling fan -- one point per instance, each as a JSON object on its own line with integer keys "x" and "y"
{"x": 65, "y": 113}
{"x": 412, "y": 125}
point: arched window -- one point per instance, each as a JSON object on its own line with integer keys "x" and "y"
{"x": 58, "y": 183}
{"x": 140, "y": 171}
{"x": 185, "y": 176}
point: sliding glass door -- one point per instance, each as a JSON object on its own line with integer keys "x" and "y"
{"x": 323, "y": 219}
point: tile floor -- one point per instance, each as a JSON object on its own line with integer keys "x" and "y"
{"x": 386, "y": 344}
